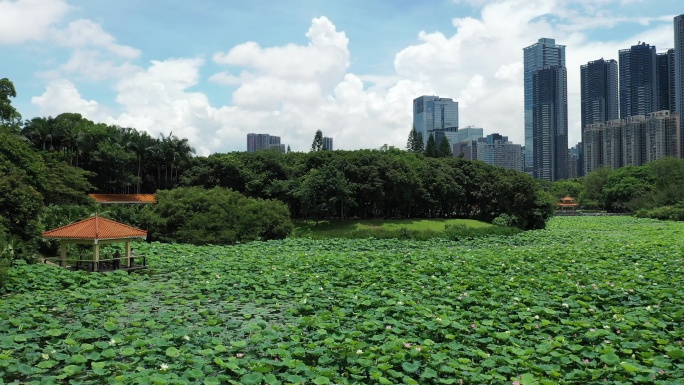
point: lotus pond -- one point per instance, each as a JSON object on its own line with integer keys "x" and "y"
{"x": 588, "y": 300}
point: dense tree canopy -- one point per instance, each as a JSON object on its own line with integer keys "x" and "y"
{"x": 28, "y": 180}
{"x": 120, "y": 160}
{"x": 375, "y": 183}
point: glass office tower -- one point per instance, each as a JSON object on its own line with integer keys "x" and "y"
{"x": 542, "y": 54}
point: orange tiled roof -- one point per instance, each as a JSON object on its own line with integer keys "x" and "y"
{"x": 95, "y": 228}
{"x": 123, "y": 198}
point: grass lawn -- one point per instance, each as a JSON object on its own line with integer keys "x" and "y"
{"x": 335, "y": 228}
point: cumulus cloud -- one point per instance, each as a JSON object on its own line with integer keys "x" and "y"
{"x": 295, "y": 89}
{"x": 61, "y": 96}
{"x": 25, "y": 20}
{"x": 85, "y": 33}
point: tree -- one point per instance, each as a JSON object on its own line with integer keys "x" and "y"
{"x": 431, "y": 147}
{"x": 8, "y": 114}
{"x": 288, "y": 148}
{"x": 566, "y": 187}
{"x": 318, "y": 144}
{"x": 40, "y": 131}
{"x": 411, "y": 142}
{"x": 444, "y": 150}
{"x": 214, "y": 216}
{"x": 592, "y": 190}
{"x": 141, "y": 144}
{"x": 415, "y": 142}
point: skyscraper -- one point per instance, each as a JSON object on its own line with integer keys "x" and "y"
{"x": 665, "y": 65}
{"x": 432, "y": 113}
{"x": 679, "y": 76}
{"x": 599, "y": 89}
{"x": 550, "y": 123}
{"x": 327, "y": 143}
{"x": 542, "y": 54}
{"x": 638, "y": 80}
{"x": 599, "y": 93}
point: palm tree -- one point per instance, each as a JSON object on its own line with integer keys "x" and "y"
{"x": 141, "y": 144}
{"x": 173, "y": 152}
{"x": 40, "y": 131}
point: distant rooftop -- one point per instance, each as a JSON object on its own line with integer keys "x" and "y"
{"x": 123, "y": 198}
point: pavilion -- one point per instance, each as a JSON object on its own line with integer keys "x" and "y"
{"x": 98, "y": 231}
{"x": 567, "y": 204}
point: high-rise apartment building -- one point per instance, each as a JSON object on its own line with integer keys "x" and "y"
{"x": 543, "y": 54}
{"x": 327, "y": 143}
{"x": 679, "y": 75}
{"x": 550, "y": 123}
{"x": 633, "y": 141}
{"x": 599, "y": 90}
{"x": 432, "y": 113}
{"x": 257, "y": 142}
{"x": 574, "y": 154}
{"x": 599, "y": 96}
{"x": 665, "y": 74}
{"x": 638, "y": 80}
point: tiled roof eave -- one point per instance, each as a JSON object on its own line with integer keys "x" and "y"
{"x": 143, "y": 236}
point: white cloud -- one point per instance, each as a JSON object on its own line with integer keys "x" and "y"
{"x": 324, "y": 60}
{"x": 24, "y": 20}
{"x": 94, "y": 65}
{"x": 83, "y": 34}
{"x": 62, "y": 96}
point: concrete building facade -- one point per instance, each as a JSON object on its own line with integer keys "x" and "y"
{"x": 633, "y": 141}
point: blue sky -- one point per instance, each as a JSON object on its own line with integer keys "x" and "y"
{"x": 214, "y": 70}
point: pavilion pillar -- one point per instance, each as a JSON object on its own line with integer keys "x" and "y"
{"x": 96, "y": 256}
{"x": 128, "y": 253}
{"x": 62, "y": 253}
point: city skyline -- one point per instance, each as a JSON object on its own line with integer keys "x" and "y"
{"x": 204, "y": 71}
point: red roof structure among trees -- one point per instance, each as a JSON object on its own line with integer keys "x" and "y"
{"x": 123, "y": 198}
{"x": 95, "y": 228}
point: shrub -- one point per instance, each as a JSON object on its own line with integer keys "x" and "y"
{"x": 503, "y": 220}
{"x": 459, "y": 232}
{"x": 666, "y": 213}
{"x": 213, "y": 216}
